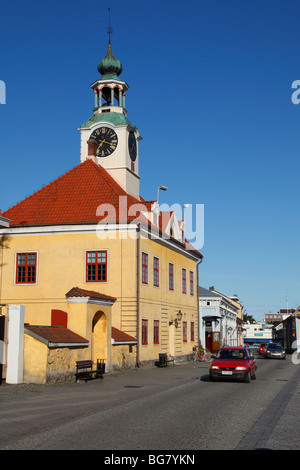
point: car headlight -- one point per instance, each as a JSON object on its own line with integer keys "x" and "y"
{"x": 214, "y": 367}
{"x": 241, "y": 368}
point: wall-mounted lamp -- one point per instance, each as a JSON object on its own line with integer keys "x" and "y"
{"x": 179, "y": 315}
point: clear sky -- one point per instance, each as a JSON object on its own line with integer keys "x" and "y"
{"x": 210, "y": 91}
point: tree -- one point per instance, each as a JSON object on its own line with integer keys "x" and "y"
{"x": 248, "y": 318}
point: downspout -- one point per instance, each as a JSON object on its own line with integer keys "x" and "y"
{"x": 198, "y": 309}
{"x": 138, "y": 295}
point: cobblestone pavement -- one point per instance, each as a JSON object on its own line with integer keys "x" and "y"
{"x": 278, "y": 427}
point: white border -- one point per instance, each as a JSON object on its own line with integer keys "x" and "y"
{"x": 107, "y": 264}
{"x": 15, "y": 269}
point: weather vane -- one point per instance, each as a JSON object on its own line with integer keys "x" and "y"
{"x": 109, "y": 29}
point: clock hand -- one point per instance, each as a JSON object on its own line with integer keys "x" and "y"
{"x": 109, "y": 143}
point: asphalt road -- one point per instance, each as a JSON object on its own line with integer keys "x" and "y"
{"x": 174, "y": 408}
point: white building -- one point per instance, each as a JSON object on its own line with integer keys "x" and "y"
{"x": 217, "y": 320}
{"x": 256, "y": 333}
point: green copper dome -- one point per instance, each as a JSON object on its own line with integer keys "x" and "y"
{"x": 109, "y": 66}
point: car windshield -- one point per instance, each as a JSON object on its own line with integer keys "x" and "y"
{"x": 274, "y": 346}
{"x": 232, "y": 354}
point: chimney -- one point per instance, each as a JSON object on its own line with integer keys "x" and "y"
{"x": 212, "y": 288}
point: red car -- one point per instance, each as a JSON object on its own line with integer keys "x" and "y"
{"x": 233, "y": 363}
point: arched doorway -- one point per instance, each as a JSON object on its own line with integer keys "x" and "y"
{"x": 99, "y": 337}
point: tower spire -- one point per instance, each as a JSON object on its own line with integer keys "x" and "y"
{"x": 109, "y": 29}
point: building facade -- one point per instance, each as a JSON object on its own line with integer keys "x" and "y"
{"x": 256, "y": 333}
{"x": 217, "y": 320}
{"x": 102, "y": 273}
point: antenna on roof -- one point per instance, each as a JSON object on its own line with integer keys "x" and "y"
{"x": 109, "y": 29}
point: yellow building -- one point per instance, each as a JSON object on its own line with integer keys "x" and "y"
{"x": 102, "y": 273}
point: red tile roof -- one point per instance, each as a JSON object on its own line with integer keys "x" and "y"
{"x": 72, "y": 198}
{"x": 77, "y": 292}
{"x": 120, "y": 337}
{"x": 55, "y": 334}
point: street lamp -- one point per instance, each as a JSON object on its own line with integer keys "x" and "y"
{"x": 163, "y": 188}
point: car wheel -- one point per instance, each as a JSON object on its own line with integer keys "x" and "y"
{"x": 247, "y": 378}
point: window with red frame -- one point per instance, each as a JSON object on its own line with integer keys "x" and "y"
{"x": 144, "y": 268}
{"x": 155, "y": 271}
{"x": 156, "y": 332}
{"x": 171, "y": 276}
{"x": 26, "y": 264}
{"x": 183, "y": 280}
{"x": 184, "y": 331}
{"x": 144, "y": 331}
{"x": 192, "y": 331}
{"x": 191, "y": 283}
{"x": 96, "y": 266}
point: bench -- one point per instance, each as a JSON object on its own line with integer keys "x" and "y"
{"x": 163, "y": 360}
{"x": 85, "y": 371}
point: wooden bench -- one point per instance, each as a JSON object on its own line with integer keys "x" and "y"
{"x": 164, "y": 360}
{"x": 85, "y": 371}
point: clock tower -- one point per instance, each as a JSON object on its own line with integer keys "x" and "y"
{"x": 108, "y": 137}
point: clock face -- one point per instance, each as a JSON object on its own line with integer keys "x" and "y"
{"x": 132, "y": 146}
{"x": 106, "y": 141}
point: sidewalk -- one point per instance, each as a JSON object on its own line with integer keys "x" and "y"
{"x": 278, "y": 427}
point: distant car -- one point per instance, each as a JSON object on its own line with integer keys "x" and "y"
{"x": 233, "y": 363}
{"x": 275, "y": 350}
{"x": 262, "y": 348}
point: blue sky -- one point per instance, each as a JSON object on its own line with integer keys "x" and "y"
{"x": 210, "y": 91}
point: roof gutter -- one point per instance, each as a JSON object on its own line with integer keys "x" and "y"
{"x": 198, "y": 308}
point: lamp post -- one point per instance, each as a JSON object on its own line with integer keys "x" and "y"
{"x": 162, "y": 188}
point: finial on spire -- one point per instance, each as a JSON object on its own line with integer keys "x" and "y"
{"x": 109, "y": 29}
{"x": 109, "y": 66}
